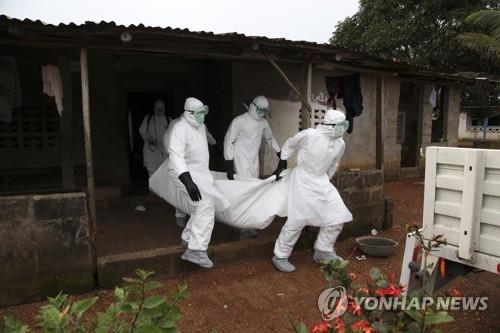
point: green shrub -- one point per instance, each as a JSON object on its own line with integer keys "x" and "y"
{"x": 134, "y": 310}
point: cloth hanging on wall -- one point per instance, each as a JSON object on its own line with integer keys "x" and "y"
{"x": 347, "y": 88}
{"x": 52, "y": 85}
{"x": 10, "y": 88}
{"x": 433, "y": 97}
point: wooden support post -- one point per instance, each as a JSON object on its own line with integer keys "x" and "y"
{"x": 305, "y": 102}
{"x": 306, "y": 110}
{"x": 67, "y": 165}
{"x": 88, "y": 159}
{"x": 379, "y": 119}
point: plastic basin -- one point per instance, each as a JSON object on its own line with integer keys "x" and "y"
{"x": 376, "y": 246}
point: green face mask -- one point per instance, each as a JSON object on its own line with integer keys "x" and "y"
{"x": 340, "y": 128}
{"x": 261, "y": 113}
{"x": 199, "y": 113}
{"x": 199, "y": 117}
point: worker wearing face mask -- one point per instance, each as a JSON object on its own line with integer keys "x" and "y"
{"x": 193, "y": 188}
{"x": 242, "y": 143}
{"x": 180, "y": 216}
{"x": 312, "y": 199}
{"x": 152, "y": 130}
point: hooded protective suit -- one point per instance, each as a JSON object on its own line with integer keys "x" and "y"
{"x": 188, "y": 152}
{"x": 312, "y": 199}
{"x": 244, "y": 136}
{"x": 152, "y": 130}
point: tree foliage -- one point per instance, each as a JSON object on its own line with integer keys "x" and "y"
{"x": 487, "y": 42}
{"x": 419, "y": 32}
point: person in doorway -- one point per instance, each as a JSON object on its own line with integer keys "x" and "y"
{"x": 152, "y": 130}
{"x": 312, "y": 199}
{"x": 194, "y": 191}
{"x": 242, "y": 142}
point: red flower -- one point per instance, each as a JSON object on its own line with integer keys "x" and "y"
{"x": 354, "y": 308}
{"x": 320, "y": 328}
{"x": 361, "y": 326}
{"x": 392, "y": 290}
{"x": 364, "y": 291}
{"x": 353, "y": 276}
{"x": 455, "y": 292}
{"x": 339, "y": 325}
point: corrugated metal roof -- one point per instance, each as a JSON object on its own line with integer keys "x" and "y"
{"x": 385, "y": 62}
{"x": 231, "y": 36}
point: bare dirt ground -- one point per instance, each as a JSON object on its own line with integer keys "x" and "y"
{"x": 254, "y": 297}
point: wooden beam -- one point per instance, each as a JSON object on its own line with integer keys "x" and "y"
{"x": 88, "y": 159}
{"x": 333, "y": 66}
{"x": 67, "y": 165}
{"x": 306, "y": 114}
{"x": 379, "y": 120}
{"x": 290, "y": 84}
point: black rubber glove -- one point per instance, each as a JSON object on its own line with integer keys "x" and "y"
{"x": 230, "y": 169}
{"x": 279, "y": 154}
{"x": 282, "y": 165}
{"x": 192, "y": 189}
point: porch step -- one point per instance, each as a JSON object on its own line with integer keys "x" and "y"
{"x": 167, "y": 262}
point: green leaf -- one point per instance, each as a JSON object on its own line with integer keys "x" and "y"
{"x": 79, "y": 308}
{"x": 12, "y": 325}
{"x": 381, "y": 283}
{"x": 379, "y": 327}
{"x": 152, "y": 285}
{"x": 169, "y": 323}
{"x": 154, "y": 301}
{"x": 119, "y": 293}
{"x": 374, "y": 273}
{"x": 149, "y": 329}
{"x": 302, "y": 328}
{"x": 440, "y": 317}
{"x": 414, "y": 314}
{"x": 59, "y": 301}
{"x": 142, "y": 274}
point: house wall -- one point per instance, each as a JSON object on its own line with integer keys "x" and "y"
{"x": 43, "y": 247}
{"x": 360, "y": 144}
{"x": 390, "y": 108}
{"x": 251, "y": 79}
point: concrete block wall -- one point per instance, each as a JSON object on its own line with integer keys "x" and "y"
{"x": 363, "y": 193}
{"x": 43, "y": 247}
{"x": 454, "y": 93}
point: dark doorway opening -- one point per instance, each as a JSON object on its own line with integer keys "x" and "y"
{"x": 409, "y": 109}
{"x": 140, "y": 105}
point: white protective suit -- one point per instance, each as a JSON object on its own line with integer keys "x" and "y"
{"x": 312, "y": 199}
{"x": 152, "y": 131}
{"x": 243, "y": 139}
{"x": 188, "y": 152}
{"x": 210, "y": 140}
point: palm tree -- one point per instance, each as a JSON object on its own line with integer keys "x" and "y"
{"x": 486, "y": 43}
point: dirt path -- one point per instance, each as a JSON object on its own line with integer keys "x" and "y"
{"x": 254, "y": 297}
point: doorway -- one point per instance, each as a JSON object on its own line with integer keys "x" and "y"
{"x": 140, "y": 105}
{"x": 409, "y": 113}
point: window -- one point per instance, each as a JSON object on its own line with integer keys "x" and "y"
{"x": 32, "y": 127}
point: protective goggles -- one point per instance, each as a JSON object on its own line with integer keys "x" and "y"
{"x": 203, "y": 109}
{"x": 262, "y": 111}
